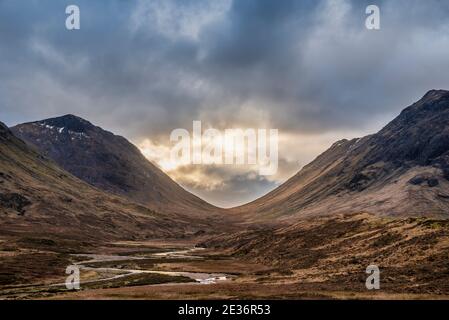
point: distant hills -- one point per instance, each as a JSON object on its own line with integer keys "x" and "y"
{"x": 403, "y": 170}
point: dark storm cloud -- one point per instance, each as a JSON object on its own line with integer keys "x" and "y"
{"x": 311, "y": 61}
{"x": 320, "y": 69}
{"x": 143, "y": 68}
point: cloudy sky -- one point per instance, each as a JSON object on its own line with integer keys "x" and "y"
{"x": 143, "y": 68}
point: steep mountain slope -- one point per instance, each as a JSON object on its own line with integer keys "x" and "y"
{"x": 109, "y": 162}
{"x": 401, "y": 170}
{"x": 38, "y": 199}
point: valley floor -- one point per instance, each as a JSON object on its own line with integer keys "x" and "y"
{"x": 182, "y": 277}
{"x": 304, "y": 264}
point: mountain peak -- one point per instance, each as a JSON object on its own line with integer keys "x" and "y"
{"x": 432, "y": 103}
{"x": 435, "y": 94}
{"x": 431, "y": 98}
{"x": 71, "y": 117}
{"x": 108, "y": 162}
{"x": 401, "y": 170}
{"x": 3, "y": 129}
{"x": 70, "y": 122}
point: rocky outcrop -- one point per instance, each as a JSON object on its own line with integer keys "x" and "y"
{"x": 14, "y": 201}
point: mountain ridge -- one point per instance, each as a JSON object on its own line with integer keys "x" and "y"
{"x": 388, "y": 173}
{"x": 40, "y": 200}
{"x": 108, "y": 162}
{"x": 401, "y": 170}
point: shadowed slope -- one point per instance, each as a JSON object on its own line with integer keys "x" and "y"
{"x": 401, "y": 170}
{"x": 37, "y": 198}
{"x": 110, "y": 163}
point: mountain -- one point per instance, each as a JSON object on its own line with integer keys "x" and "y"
{"x": 39, "y": 200}
{"x": 403, "y": 170}
{"x": 109, "y": 162}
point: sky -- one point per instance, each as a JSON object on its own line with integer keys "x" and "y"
{"x": 309, "y": 69}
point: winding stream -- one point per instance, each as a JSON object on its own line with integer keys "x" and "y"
{"x": 198, "y": 277}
